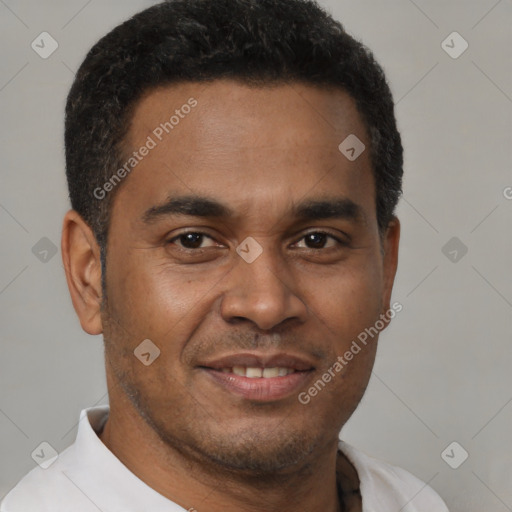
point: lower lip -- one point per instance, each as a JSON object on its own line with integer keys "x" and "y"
{"x": 260, "y": 389}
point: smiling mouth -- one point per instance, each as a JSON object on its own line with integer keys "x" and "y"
{"x": 257, "y": 377}
{"x": 254, "y": 372}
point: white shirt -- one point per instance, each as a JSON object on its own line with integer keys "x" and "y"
{"x": 88, "y": 477}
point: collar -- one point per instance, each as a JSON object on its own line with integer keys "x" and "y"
{"x": 98, "y": 465}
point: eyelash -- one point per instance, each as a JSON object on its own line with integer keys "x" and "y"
{"x": 341, "y": 243}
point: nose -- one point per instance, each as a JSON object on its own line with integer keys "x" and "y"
{"x": 263, "y": 292}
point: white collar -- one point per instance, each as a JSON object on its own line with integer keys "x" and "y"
{"x": 97, "y": 465}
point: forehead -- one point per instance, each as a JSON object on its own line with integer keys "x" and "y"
{"x": 239, "y": 111}
{"x": 245, "y": 144}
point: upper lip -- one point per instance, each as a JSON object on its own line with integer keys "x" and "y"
{"x": 255, "y": 360}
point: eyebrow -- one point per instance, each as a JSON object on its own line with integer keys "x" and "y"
{"x": 338, "y": 208}
{"x": 200, "y": 206}
{"x": 195, "y": 206}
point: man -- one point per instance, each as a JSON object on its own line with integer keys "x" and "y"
{"x": 233, "y": 168}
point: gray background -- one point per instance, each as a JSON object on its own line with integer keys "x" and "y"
{"x": 443, "y": 369}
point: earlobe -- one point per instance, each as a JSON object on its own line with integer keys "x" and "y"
{"x": 82, "y": 264}
{"x": 391, "y": 240}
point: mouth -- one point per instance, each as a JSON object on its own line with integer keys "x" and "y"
{"x": 257, "y": 377}
{"x": 254, "y": 372}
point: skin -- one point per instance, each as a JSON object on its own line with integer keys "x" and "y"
{"x": 259, "y": 151}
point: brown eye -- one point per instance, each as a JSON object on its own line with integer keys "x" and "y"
{"x": 191, "y": 240}
{"x": 319, "y": 239}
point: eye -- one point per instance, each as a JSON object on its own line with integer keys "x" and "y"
{"x": 192, "y": 240}
{"x": 319, "y": 239}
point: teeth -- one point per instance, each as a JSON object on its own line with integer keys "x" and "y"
{"x": 252, "y": 372}
{"x": 239, "y": 370}
{"x": 271, "y": 372}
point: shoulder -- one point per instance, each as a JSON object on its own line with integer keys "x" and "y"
{"x": 384, "y": 487}
{"x": 43, "y": 490}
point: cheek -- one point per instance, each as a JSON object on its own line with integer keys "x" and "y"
{"x": 348, "y": 301}
{"x": 150, "y": 293}
{"x": 157, "y": 301}
{"x": 348, "y": 305}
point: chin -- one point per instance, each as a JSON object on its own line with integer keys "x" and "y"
{"x": 256, "y": 453}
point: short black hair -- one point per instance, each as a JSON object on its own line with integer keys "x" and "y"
{"x": 255, "y": 42}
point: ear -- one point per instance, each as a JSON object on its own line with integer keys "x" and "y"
{"x": 82, "y": 263}
{"x": 390, "y": 243}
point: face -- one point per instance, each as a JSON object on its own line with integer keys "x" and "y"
{"x": 245, "y": 246}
